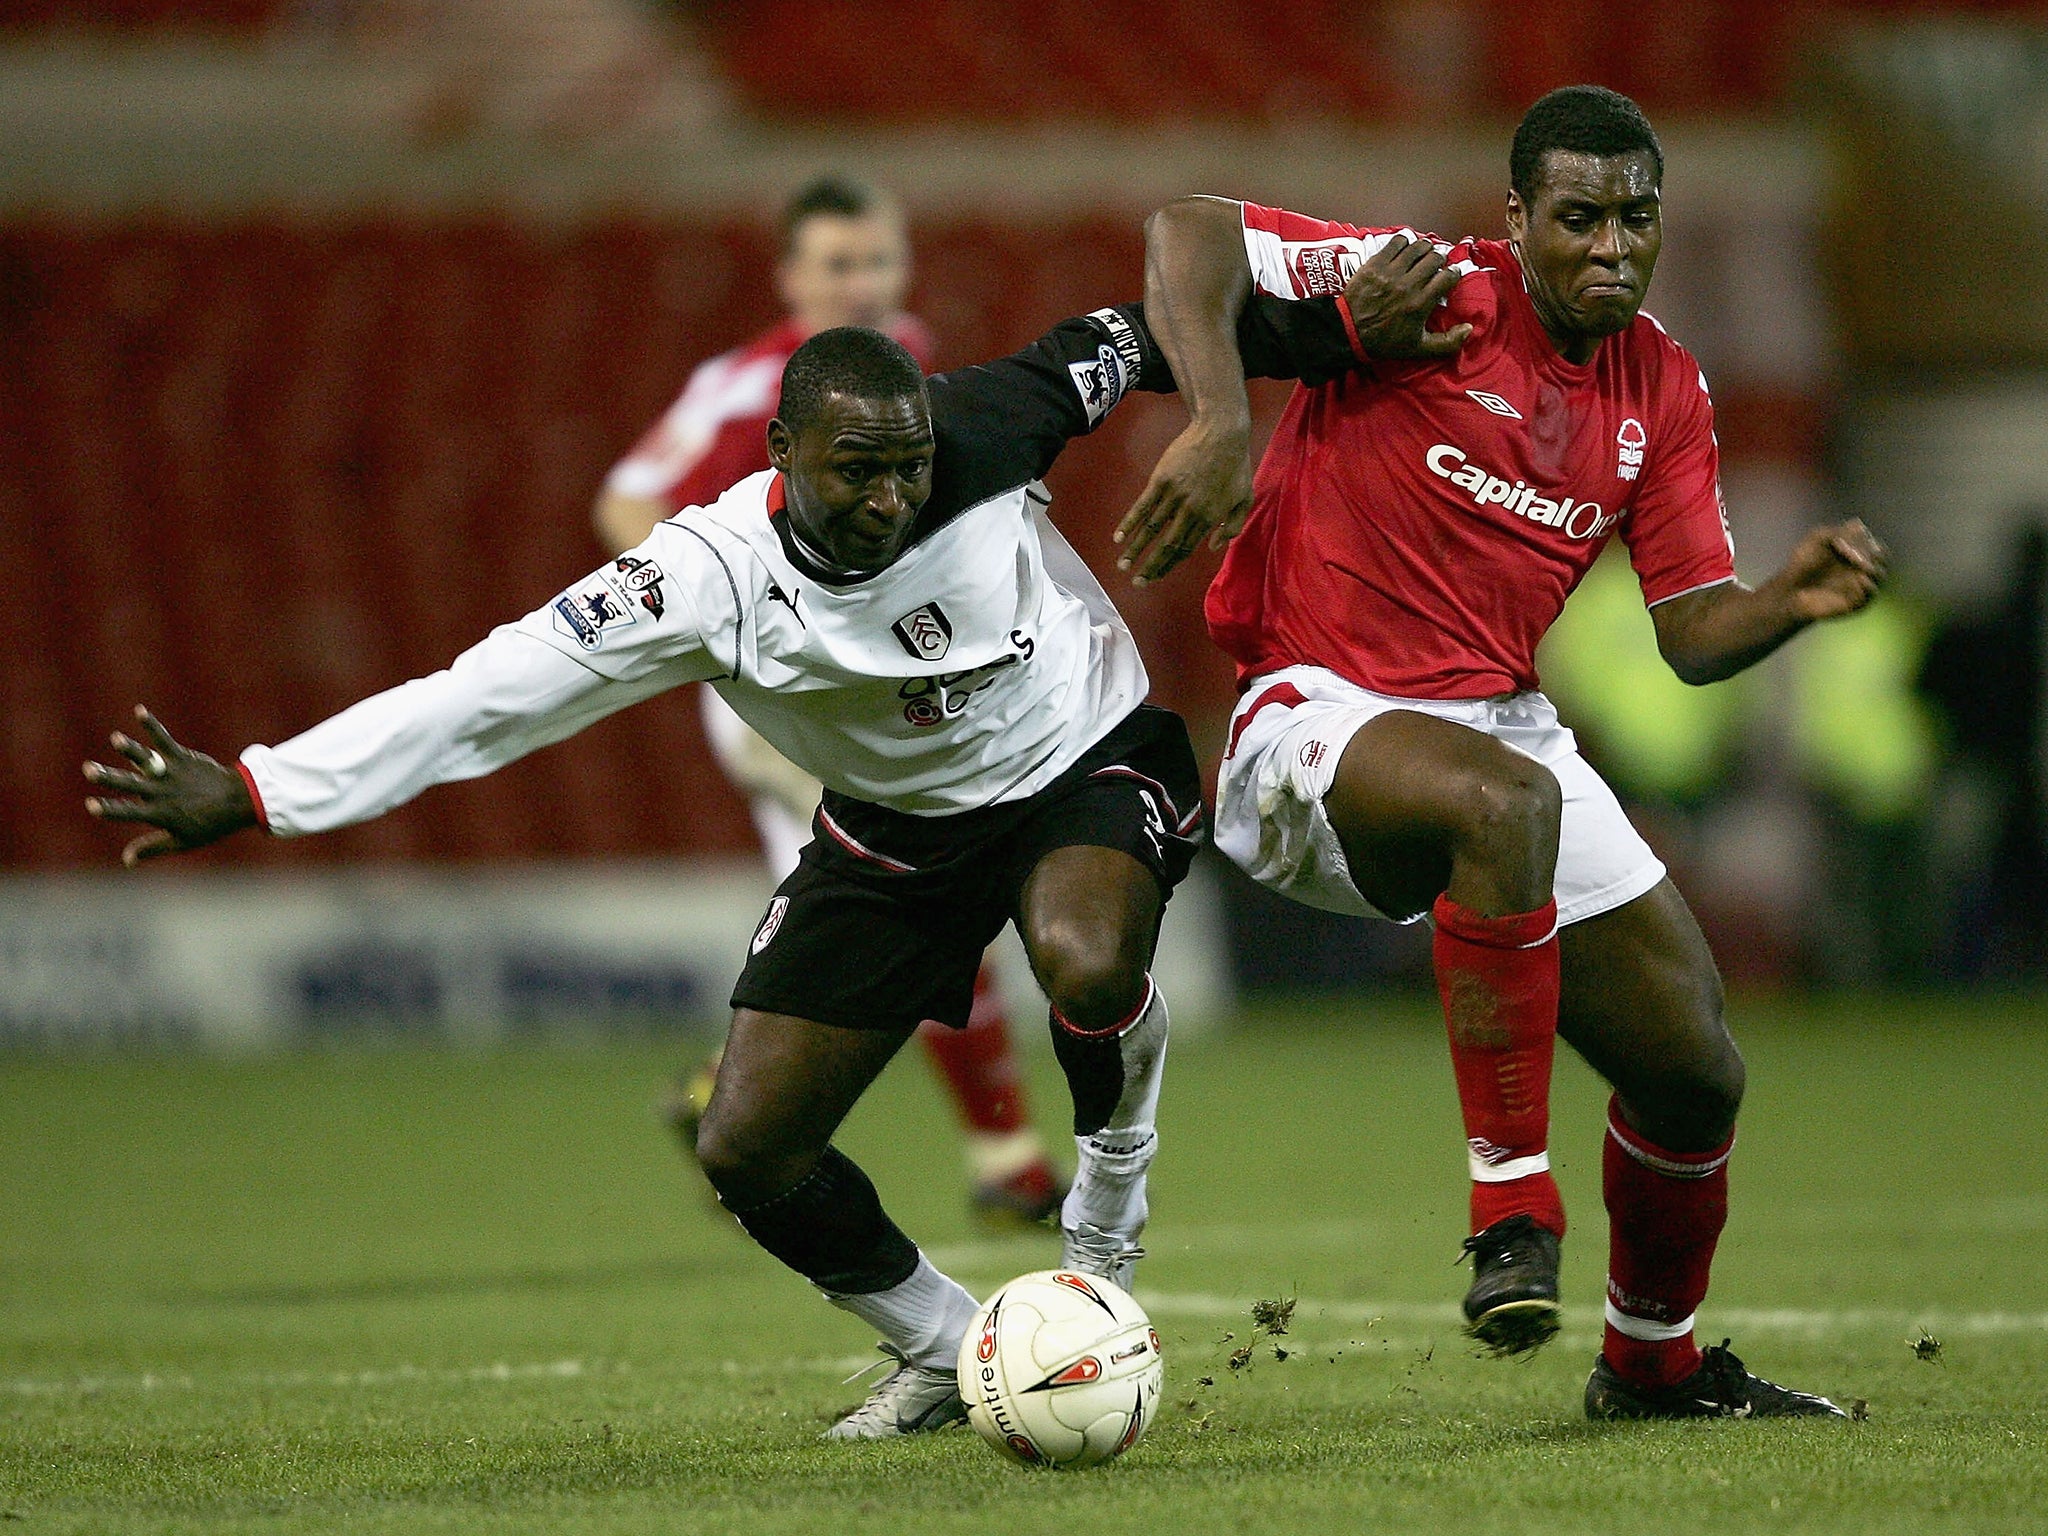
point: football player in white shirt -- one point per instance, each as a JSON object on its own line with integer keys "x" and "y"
{"x": 890, "y": 608}
{"x": 845, "y": 261}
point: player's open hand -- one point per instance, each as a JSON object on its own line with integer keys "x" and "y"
{"x": 1200, "y": 488}
{"x": 1835, "y": 571}
{"x": 186, "y": 798}
{"x": 1392, "y": 295}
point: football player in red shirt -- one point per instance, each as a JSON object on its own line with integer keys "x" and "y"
{"x": 845, "y": 261}
{"x": 1412, "y": 531}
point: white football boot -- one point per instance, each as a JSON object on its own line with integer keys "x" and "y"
{"x": 1094, "y": 1251}
{"x": 911, "y": 1400}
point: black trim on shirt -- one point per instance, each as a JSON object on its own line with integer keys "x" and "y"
{"x": 739, "y": 607}
{"x": 800, "y": 557}
{"x": 1001, "y": 424}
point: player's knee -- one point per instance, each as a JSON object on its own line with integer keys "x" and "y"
{"x": 1515, "y": 802}
{"x": 1693, "y": 1109}
{"x": 745, "y": 1165}
{"x": 1720, "y": 1077}
{"x": 1724, "y": 1086}
{"x": 720, "y": 1155}
{"x": 1093, "y": 975}
{"x": 1511, "y": 812}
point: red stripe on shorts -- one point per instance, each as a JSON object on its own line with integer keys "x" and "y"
{"x": 1279, "y": 693}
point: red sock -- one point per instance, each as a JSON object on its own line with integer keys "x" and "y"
{"x": 979, "y": 1063}
{"x": 1498, "y": 980}
{"x": 1665, "y": 1211}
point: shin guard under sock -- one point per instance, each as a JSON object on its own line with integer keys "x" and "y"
{"x": 831, "y": 1229}
{"x": 1114, "y": 1074}
{"x": 1665, "y": 1211}
{"x": 1498, "y": 977}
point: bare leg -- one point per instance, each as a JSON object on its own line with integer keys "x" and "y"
{"x": 784, "y": 1086}
{"x": 1425, "y": 807}
{"x": 1090, "y": 918}
{"x": 1642, "y": 1004}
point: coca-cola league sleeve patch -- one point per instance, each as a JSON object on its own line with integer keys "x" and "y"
{"x": 1295, "y": 257}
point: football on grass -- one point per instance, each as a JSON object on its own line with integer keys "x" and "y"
{"x": 1060, "y": 1370}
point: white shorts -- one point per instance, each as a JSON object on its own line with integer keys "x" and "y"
{"x": 1287, "y": 735}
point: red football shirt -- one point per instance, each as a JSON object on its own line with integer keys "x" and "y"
{"x": 716, "y": 432}
{"x": 1416, "y": 527}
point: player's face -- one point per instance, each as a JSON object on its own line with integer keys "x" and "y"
{"x": 856, "y": 477}
{"x": 1589, "y": 239}
{"x": 842, "y": 271}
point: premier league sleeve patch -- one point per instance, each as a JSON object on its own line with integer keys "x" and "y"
{"x": 1100, "y": 382}
{"x": 609, "y": 599}
{"x": 591, "y": 609}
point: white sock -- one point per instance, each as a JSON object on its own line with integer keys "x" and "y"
{"x": 925, "y": 1316}
{"x": 1109, "y": 1176}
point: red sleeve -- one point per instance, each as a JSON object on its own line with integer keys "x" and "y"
{"x": 1297, "y": 226}
{"x": 715, "y": 434}
{"x": 255, "y": 794}
{"x": 1294, "y": 257}
{"x": 739, "y": 450}
{"x": 712, "y": 435}
{"x": 1677, "y": 527}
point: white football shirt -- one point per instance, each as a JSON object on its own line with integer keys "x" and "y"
{"x": 971, "y": 671}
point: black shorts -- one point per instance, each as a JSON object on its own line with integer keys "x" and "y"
{"x": 884, "y": 920}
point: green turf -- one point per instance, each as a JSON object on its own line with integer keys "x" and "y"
{"x": 412, "y": 1290}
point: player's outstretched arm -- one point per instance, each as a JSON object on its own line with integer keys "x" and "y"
{"x": 1197, "y": 283}
{"x": 1714, "y": 634}
{"x": 524, "y": 686}
{"x": 1005, "y": 422}
{"x": 185, "y": 798}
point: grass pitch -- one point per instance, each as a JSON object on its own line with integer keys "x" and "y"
{"x": 412, "y": 1290}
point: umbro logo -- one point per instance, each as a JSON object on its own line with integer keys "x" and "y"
{"x": 925, "y": 632}
{"x": 1494, "y": 403}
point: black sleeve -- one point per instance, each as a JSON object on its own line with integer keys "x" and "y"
{"x": 999, "y": 425}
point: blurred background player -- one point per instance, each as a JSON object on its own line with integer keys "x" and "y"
{"x": 845, "y": 261}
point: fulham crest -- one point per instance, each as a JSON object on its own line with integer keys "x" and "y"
{"x": 925, "y": 632}
{"x": 771, "y": 924}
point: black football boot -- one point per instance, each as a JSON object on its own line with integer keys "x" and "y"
{"x": 1512, "y": 1307}
{"x": 1720, "y": 1389}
